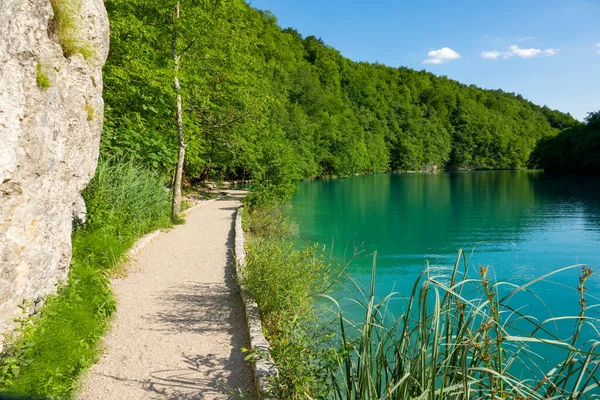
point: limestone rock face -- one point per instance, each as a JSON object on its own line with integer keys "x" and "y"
{"x": 51, "y": 112}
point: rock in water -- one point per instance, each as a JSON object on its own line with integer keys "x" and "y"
{"x": 51, "y": 108}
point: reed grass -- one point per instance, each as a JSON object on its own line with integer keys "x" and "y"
{"x": 460, "y": 335}
{"x": 460, "y": 338}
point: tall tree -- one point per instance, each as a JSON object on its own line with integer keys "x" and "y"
{"x": 176, "y": 204}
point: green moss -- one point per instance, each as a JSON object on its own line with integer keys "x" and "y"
{"x": 67, "y": 27}
{"x": 89, "y": 109}
{"x": 43, "y": 80}
{"x": 86, "y": 51}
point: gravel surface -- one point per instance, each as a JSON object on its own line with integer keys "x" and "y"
{"x": 179, "y": 325}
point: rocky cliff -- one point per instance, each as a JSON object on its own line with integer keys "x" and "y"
{"x": 51, "y": 58}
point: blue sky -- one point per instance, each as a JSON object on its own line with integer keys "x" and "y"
{"x": 546, "y": 50}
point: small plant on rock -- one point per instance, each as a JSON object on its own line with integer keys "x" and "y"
{"x": 68, "y": 29}
{"x": 42, "y": 78}
{"x": 89, "y": 109}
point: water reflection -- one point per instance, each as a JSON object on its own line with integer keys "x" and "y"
{"x": 523, "y": 224}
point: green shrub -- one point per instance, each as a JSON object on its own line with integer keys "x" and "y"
{"x": 269, "y": 222}
{"x": 269, "y": 195}
{"x": 124, "y": 201}
{"x": 284, "y": 281}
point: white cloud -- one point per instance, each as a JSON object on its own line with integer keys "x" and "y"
{"x": 515, "y": 50}
{"x": 524, "y": 53}
{"x": 527, "y": 38}
{"x": 490, "y": 55}
{"x": 598, "y": 46}
{"x": 441, "y": 56}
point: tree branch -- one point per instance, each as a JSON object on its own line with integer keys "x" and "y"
{"x": 189, "y": 46}
{"x": 228, "y": 123}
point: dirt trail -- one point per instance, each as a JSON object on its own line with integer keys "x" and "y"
{"x": 179, "y": 324}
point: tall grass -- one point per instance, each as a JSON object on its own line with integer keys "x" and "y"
{"x": 124, "y": 201}
{"x": 460, "y": 335}
{"x": 284, "y": 280}
{"x": 460, "y": 338}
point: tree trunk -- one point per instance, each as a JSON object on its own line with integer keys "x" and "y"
{"x": 176, "y": 205}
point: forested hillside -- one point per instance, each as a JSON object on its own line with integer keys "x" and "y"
{"x": 268, "y": 104}
{"x": 576, "y": 149}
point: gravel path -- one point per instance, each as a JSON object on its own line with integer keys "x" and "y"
{"x": 179, "y": 324}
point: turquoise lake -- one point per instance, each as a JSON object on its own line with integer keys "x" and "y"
{"x": 523, "y": 224}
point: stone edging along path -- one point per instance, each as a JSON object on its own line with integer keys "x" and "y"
{"x": 265, "y": 370}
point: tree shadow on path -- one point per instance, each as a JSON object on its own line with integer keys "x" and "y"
{"x": 209, "y": 309}
{"x": 213, "y": 310}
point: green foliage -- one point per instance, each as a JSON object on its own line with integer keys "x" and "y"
{"x": 42, "y": 78}
{"x": 65, "y": 340}
{"x": 268, "y": 195}
{"x": 54, "y": 348}
{"x": 575, "y": 149}
{"x": 284, "y": 281}
{"x": 282, "y": 278}
{"x": 67, "y": 25}
{"x": 267, "y": 105}
{"x": 139, "y": 97}
{"x": 14, "y": 357}
{"x": 214, "y": 72}
{"x": 459, "y": 337}
{"x": 124, "y": 199}
{"x": 268, "y": 222}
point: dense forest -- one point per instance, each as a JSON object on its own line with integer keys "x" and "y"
{"x": 576, "y": 149}
{"x": 265, "y": 103}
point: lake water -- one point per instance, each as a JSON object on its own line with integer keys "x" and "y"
{"x": 523, "y": 224}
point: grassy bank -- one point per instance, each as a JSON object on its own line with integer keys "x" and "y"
{"x": 461, "y": 335}
{"x": 124, "y": 201}
{"x": 284, "y": 281}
